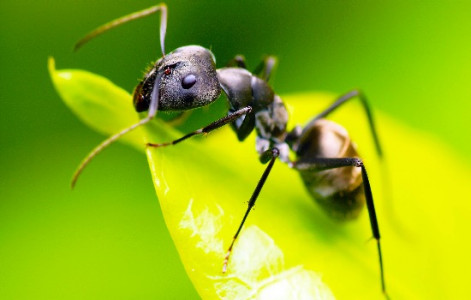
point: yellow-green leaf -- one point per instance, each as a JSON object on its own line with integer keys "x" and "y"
{"x": 93, "y": 97}
{"x": 289, "y": 248}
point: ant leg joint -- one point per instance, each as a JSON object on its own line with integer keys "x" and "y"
{"x": 275, "y": 152}
{"x": 358, "y": 163}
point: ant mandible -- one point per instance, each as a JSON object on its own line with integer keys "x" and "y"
{"x": 326, "y": 157}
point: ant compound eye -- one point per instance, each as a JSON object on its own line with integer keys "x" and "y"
{"x": 139, "y": 100}
{"x": 188, "y": 81}
{"x": 167, "y": 71}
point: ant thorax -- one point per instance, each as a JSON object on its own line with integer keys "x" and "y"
{"x": 269, "y": 115}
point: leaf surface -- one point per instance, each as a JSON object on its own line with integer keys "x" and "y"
{"x": 289, "y": 248}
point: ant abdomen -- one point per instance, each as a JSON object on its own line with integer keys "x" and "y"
{"x": 338, "y": 191}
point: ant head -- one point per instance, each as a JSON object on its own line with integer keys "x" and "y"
{"x": 186, "y": 79}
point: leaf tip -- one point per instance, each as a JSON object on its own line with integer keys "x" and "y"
{"x": 51, "y": 66}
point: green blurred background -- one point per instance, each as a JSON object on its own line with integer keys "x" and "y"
{"x": 107, "y": 239}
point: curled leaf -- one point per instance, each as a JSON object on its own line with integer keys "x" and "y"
{"x": 289, "y": 249}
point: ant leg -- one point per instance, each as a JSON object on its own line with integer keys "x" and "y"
{"x": 341, "y": 100}
{"x": 264, "y": 69}
{"x": 245, "y": 128}
{"x": 214, "y": 125}
{"x": 320, "y": 164}
{"x": 238, "y": 61}
{"x": 133, "y": 16}
{"x": 271, "y": 155}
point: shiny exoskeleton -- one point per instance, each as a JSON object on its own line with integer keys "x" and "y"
{"x": 326, "y": 158}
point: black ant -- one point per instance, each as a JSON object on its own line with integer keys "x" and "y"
{"x": 326, "y": 157}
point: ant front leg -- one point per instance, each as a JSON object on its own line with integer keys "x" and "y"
{"x": 321, "y": 164}
{"x": 268, "y": 156}
{"x": 214, "y": 125}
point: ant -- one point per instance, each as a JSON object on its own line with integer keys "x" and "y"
{"x": 326, "y": 158}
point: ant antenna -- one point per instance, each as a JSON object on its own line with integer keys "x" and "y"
{"x": 155, "y": 93}
{"x": 162, "y": 7}
{"x": 154, "y": 101}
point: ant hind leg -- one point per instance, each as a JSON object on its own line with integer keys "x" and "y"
{"x": 342, "y": 100}
{"x": 319, "y": 164}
